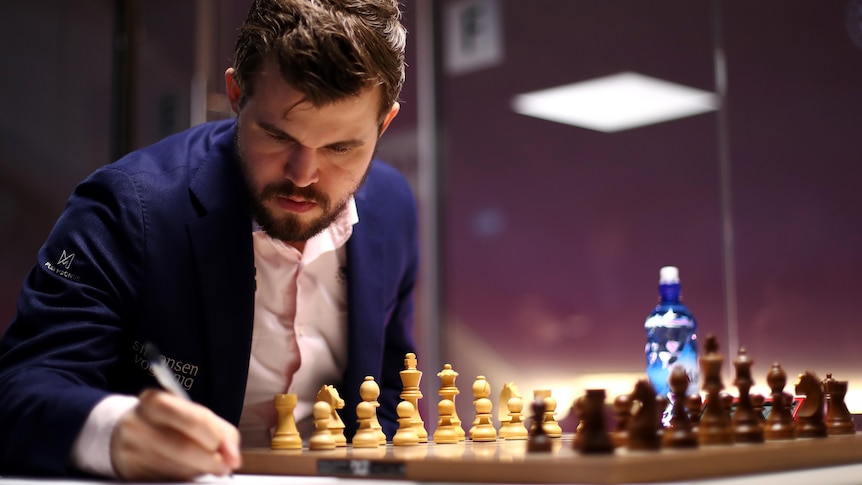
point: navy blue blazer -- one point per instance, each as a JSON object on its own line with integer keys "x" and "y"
{"x": 158, "y": 247}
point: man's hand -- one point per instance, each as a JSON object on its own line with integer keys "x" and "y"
{"x": 167, "y": 437}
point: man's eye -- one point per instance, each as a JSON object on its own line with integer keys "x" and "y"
{"x": 340, "y": 149}
{"x": 276, "y": 136}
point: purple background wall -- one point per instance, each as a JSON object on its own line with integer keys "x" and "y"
{"x": 554, "y": 234}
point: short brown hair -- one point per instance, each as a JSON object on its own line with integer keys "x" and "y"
{"x": 327, "y": 49}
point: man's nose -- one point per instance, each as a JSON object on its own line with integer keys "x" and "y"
{"x": 301, "y": 167}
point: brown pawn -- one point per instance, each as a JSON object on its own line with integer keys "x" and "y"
{"x": 809, "y": 416}
{"x": 747, "y": 425}
{"x": 759, "y": 404}
{"x": 839, "y": 421}
{"x": 643, "y": 427}
{"x": 779, "y": 424}
{"x": 595, "y": 434}
{"x": 715, "y": 427}
{"x": 580, "y": 407}
{"x": 623, "y": 411}
{"x": 680, "y": 433}
{"x": 694, "y": 404}
{"x": 538, "y": 441}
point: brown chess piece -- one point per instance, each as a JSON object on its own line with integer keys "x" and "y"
{"x": 715, "y": 427}
{"x": 747, "y": 425}
{"x": 595, "y": 434}
{"x": 538, "y": 441}
{"x": 809, "y": 416}
{"x": 779, "y": 424}
{"x": 758, "y": 401}
{"x": 679, "y": 434}
{"x": 839, "y": 421}
{"x": 580, "y": 404}
{"x": 623, "y": 411}
{"x": 694, "y": 404}
{"x": 643, "y": 427}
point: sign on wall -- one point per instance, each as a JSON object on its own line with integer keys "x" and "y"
{"x": 473, "y": 35}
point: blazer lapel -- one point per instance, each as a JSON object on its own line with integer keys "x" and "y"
{"x": 221, "y": 242}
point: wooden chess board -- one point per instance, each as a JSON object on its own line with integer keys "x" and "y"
{"x": 466, "y": 462}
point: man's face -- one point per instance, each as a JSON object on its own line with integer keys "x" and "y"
{"x": 302, "y": 163}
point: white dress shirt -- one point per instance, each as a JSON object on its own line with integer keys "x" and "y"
{"x": 300, "y": 326}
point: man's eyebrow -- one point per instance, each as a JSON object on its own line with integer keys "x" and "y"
{"x": 275, "y": 130}
{"x": 351, "y": 143}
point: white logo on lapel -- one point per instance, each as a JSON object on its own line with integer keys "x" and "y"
{"x": 66, "y": 259}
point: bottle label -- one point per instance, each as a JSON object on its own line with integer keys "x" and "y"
{"x": 671, "y": 342}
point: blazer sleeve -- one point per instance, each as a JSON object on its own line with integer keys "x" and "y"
{"x": 58, "y": 352}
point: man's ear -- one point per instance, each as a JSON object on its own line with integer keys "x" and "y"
{"x": 233, "y": 91}
{"x": 389, "y": 117}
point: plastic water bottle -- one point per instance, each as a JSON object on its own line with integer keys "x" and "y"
{"x": 671, "y": 336}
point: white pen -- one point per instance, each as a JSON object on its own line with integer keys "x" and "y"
{"x": 163, "y": 375}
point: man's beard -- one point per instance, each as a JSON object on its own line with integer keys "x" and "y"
{"x": 288, "y": 227}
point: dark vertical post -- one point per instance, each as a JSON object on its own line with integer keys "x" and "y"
{"x": 123, "y": 82}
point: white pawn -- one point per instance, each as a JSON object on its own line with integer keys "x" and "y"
{"x": 366, "y": 435}
{"x": 406, "y": 433}
{"x": 322, "y": 438}
{"x": 513, "y": 428}
{"x": 481, "y": 390}
{"x": 484, "y": 430}
{"x": 446, "y": 430}
{"x": 370, "y": 391}
{"x": 549, "y": 422}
